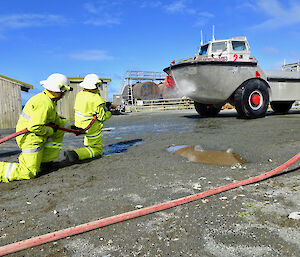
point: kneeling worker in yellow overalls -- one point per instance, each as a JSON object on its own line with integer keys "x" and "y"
{"x": 41, "y": 144}
{"x": 87, "y": 104}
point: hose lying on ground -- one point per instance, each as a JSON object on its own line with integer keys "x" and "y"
{"x": 75, "y": 131}
{"x": 21, "y": 245}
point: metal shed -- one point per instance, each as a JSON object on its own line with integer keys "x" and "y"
{"x": 65, "y": 107}
{"x": 10, "y": 103}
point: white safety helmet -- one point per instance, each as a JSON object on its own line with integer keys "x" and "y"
{"x": 57, "y": 83}
{"x": 91, "y": 81}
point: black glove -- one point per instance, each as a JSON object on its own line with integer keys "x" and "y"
{"x": 80, "y": 130}
{"x": 53, "y": 126}
{"x": 110, "y": 106}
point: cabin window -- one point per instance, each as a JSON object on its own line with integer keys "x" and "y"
{"x": 219, "y": 46}
{"x": 203, "y": 50}
{"x": 238, "y": 45}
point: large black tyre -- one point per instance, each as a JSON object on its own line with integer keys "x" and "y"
{"x": 207, "y": 110}
{"x": 252, "y": 99}
{"x": 281, "y": 107}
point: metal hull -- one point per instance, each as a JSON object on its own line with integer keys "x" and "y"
{"x": 285, "y": 85}
{"x": 211, "y": 82}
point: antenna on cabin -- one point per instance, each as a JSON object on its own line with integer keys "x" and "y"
{"x": 284, "y": 63}
{"x": 201, "y": 43}
{"x": 213, "y": 35}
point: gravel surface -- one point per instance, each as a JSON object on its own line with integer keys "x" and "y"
{"x": 137, "y": 171}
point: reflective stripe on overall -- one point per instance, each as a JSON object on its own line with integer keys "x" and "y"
{"x": 28, "y": 166}
{"x": 83, "y": 115}
{"x": 33, "y": 154}
{"x": 94, "y": 147}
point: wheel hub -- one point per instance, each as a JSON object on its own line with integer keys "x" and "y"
{"x": 256, "y": 100}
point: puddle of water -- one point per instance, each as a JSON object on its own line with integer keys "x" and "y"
{"x": 121, "y": 147}
{"x": 198, "y": 154}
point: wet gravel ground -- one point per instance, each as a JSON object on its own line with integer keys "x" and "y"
{"x": 137, "y": 171}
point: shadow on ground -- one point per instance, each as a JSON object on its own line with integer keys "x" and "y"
{"x": 10, "y": 153}
{"x": 234, "y": 114}
{"x": 108, "y": 150}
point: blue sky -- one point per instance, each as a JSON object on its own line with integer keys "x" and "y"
{"x": 38, "y": 38}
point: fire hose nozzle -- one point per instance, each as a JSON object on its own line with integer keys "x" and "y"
{"x": 110, "y": 106}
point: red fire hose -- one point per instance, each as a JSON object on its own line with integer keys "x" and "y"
{"x": 75, "y": 131}
{"x": 21, "y": 245}
{"x": 9, "y": 137}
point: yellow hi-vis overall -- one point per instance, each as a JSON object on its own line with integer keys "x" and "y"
{"x": 40, "y": 144}
{"x": 88, "y": 104}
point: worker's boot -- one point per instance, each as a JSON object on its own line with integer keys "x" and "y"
{"x": 71, "y": 156}
{"x": 46, "y": 166}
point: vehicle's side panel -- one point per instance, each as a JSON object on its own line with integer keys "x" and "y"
{"x": 285, "y": 91}
{"x": 285, "y": 85}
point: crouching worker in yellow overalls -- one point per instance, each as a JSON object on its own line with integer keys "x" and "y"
{"x": 87, "y": 104}
{"x": 41, "y": 144}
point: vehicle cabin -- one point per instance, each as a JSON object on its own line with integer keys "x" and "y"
{"x": 234, "y": 49}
